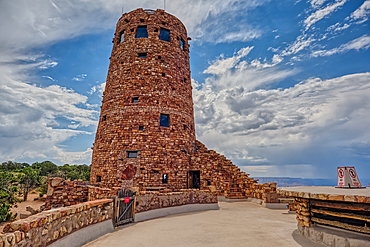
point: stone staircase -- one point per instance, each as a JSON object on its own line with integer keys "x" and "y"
{"x": 233, "y": 183}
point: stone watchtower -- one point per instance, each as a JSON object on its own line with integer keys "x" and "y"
{"x": 146, "y": 129}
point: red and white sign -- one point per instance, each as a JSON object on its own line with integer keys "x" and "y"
{"x": 347, "y": 177}
{"x": 341, "y": 177}
{"x": 355, "y": 182}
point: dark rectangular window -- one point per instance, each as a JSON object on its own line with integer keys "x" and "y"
{"x": 164, "y": 34}
{"x": 104, "y": 118}
{"x": 185, "y": 127}
{"x": 135, "y": 100}
{"x": 208, "y": 182}
{"x": 165, "y": 178}
{"x": 141, "y": 127}
{"x": 98, "y": 179}
{"x": 164, "y": 120}
{"x": 141, "y": 32}
{"x": 122, "y": 36}
{"x": 142, "y": 54}
{"x": 131, "y": 154}
{"x": 182, "y": 44}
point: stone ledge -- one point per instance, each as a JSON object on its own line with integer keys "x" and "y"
{"x": 85, "y": 235}
{"x": 161, "y": 212}
{"x": 334, "y": 237}
{"x": 223, "y": 199}
{"x": 327, "y": 193}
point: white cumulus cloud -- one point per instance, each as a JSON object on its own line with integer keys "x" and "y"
{"x": 267, "y": 124}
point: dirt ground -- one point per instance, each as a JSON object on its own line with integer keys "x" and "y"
{"x": 21, "y": 209}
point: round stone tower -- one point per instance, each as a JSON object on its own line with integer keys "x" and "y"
{"x": 146, "y": 129}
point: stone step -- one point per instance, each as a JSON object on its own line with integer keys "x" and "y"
{"x": 236, "y": 197}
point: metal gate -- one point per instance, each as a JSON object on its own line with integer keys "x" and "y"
{"x": 124, "y": 207}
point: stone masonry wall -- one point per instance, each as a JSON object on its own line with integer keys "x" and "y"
{"x": 62, "y": 193}
{"x": 149, "y": 76}
{"x": 49, "y": 226}
{"x": 145, "y": 200}
{"x": 149, "y": 200}
{"x": 266, "y": 192}
{"x": 225, "y": 178}
{"x": 156, "y": 73}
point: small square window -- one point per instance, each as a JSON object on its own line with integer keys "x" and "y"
{"x": 131, "y": 154}
{"x": 122, "y": 36}
{"x": 104, "y": 118}
{"x": 163, "y": 74}
{"x": 135, "y": 100}
{"x": 165, "y": 178}
{"x": 141, "y": 127}
{"x": 159, "y": 57}
{"x": 164, "y": 34}
{"x": 143, "y": 54}
{"x": 185, "y": 126}
{"x": 98, "y": 179}
{"x": 164, "y": 120}
{"x": 182, "y": 44}
{"x": 141, "y": 32}
{"x": 208, "y": 182}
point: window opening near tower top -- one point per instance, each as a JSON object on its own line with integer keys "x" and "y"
{"x": 164, "y": 120}
{"x": 122, "y": 36}
{"x": 141, "y": 32}
{"x": 165, "y": 35}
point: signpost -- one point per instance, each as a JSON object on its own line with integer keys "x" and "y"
{"x": 347, "y": 177}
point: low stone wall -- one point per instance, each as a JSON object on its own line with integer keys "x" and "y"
{"x": 266, "y": 192}
{"x": 330, "y": 206}
{"x": 49, "y": 226}
{"x": 147, "y": 200}
{"x": 63, "y": 193}
{"x": 96, "y": 193}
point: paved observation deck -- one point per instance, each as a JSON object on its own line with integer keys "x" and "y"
{"x": 235, "y": 224}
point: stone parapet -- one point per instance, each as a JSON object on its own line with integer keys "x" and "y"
{"x": 331, "y": 194}
{"x": 62, "y": 193}
{"x": 266, "y": 192}
{"x": 46, "y": 227}
{"x": 149, "y": 200}
{"x": 330, "y": 206}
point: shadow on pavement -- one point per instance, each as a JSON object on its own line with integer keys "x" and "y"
{"x": 304, "y": 242}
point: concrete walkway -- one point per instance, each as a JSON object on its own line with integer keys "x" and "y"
{"x": 235, "y": 224}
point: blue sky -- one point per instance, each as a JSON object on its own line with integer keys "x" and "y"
{"x": 282, "y": 88}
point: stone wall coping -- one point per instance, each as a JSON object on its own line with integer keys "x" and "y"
{"x": 40, "y": 219}
{"x": 327, "y": 193}
{"x": 171, "y": 193}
